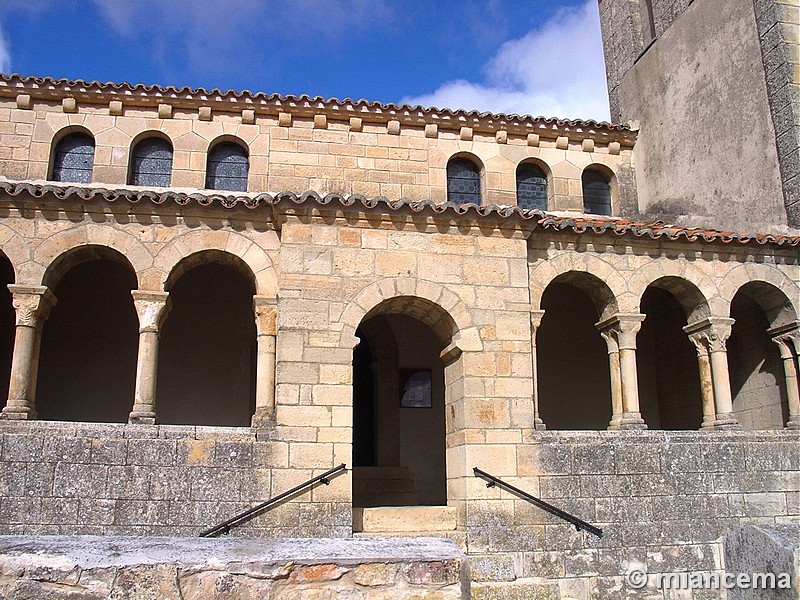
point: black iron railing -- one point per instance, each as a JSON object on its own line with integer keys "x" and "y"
{"x": 242, "y": 517}
{"x": 579, "y": 523}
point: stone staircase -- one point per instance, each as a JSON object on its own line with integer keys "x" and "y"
{"x": 383, "y": 486}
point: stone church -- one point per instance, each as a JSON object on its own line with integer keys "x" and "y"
{"x": 208, "y": 297}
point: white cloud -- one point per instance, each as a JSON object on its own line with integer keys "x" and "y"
{"x": 213, "y": 35}
{"x": 5, "y": 53}
{"x": 555, "y": 70}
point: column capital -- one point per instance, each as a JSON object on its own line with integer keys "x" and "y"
{"x": 536, "y": 318}
{"x": 787, "y": 337}
{"x": 266, "y": 313}
{"x": 620, "y": 330}
{"x": 152, "y": 308}
{"x": 32, "y": 303}
{"x": 710, "y": 334}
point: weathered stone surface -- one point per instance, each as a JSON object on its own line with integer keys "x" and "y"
{"x": 764, "y": 549}
{"x": 84, "y": 568}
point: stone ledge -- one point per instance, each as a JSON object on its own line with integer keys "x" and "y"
{"x": 79, "y": 567}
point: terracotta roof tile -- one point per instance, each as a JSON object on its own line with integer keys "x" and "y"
{"x": 142, "y": 90}
{"x": 559, "y": 222}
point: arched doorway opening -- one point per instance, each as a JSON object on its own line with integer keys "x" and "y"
{"x": 573, "y": 368}
{"x": 87, "y": 363}
{"x": 207, "y": 346}
{"x": 7, "y": 325}
{"x": 758, "y": 382}
{"x": 399, "y": 405}
{"x": 670, "y": 396}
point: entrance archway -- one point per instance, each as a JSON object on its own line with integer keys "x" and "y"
{"x": 398, "y": 405}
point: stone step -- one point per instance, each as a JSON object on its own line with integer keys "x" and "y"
{"x": 383, "y": 485}
{"x": 385, "y": 498}
{"x": 457, "y": 537}
{"x": 386, "y": 519}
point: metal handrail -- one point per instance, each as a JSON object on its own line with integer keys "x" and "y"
{"x": 579, "y": 523}
{"x": 226, "y": 526}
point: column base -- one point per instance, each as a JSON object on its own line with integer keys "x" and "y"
{"x": 709, "y": 422}
{"x": 142, "y": 417}
{"x": 264, "y": 423}
{"x": 794, "y": 423}
{"x": 726, "y": 421}
{"x": 18, "y": 413}
{"x": 627, "y": 421}
{"x": 538, "y": 425}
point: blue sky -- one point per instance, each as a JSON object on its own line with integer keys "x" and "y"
{"x": 540, "y": 57}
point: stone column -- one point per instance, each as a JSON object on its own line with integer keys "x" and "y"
{"x": 788, "y": 339}
{"x": 620, "y": 332}
{"x": 536, "y": 321}
{"x": 266, "y": 314}
{"x": 32, "y": 304}
{"x": 152, "y": 308}
{"x": 709, "y": 337}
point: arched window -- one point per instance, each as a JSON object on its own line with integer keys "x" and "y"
{"x": 531, "y": 187}
{"x": 227, "y": 167}
{"x": 463, "y": 182}
{"x": 151, "y": 163}
{"x": 596, "y": 193}
{"x": 74, "y": 158}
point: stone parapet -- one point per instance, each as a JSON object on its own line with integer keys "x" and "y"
{"x": 137, "y": 568}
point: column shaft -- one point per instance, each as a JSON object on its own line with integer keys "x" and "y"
{"x": 152, "y": 308}
{"x": 32, "y": 304}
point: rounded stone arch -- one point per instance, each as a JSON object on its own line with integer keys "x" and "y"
{"x": 192, "y": 242}
{"x": 128, "y": 246}
{"x": 693, "y": 301}
{"x": 767, "y": 275}
{"x": 605, "y": 285}
{"x": 230, "y": 139}
{"x": 80, "y": 254}
{"x": 453, "y": 321}
{"x": 706, "y": 290}
{"x": 777, "y": 306}
{"x": 14, "y": 247}
{"x": 187, "y": 263}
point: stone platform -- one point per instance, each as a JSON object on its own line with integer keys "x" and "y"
{"x": 137, "y": 568}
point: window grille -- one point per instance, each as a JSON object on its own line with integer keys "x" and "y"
{"x": 227, "y": 168}
{"x": 463, "y": 182}
{"x": 531, "y": 187}
{"x": 152, "y": 163}
{"x": 74, "y": 159}
{"x": 596, "y": 193}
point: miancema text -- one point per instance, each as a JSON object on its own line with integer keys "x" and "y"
{"x": 711, "y": 581}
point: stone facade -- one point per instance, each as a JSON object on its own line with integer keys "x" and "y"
{"x": 682, "y": 63}
{"x": 313, "y": 304}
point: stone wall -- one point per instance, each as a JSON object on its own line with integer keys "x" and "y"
{"x": 304, "y": 146}
{"x": 88, "y": 568}
{"x": 711, "y": 61}
{"x": 103, "y": 479}
{"x": 663, "y": 500}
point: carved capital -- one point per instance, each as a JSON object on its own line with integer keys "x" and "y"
{"x": 152, "y": 308}
{"x": 787, "y": 337}
{"x": 710, "y": 334}
{"x": 32, "y": 303}
{"x": 536, "y": 320}
{"x": 266, "y": 313}
{"x": 620, "y": 330}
